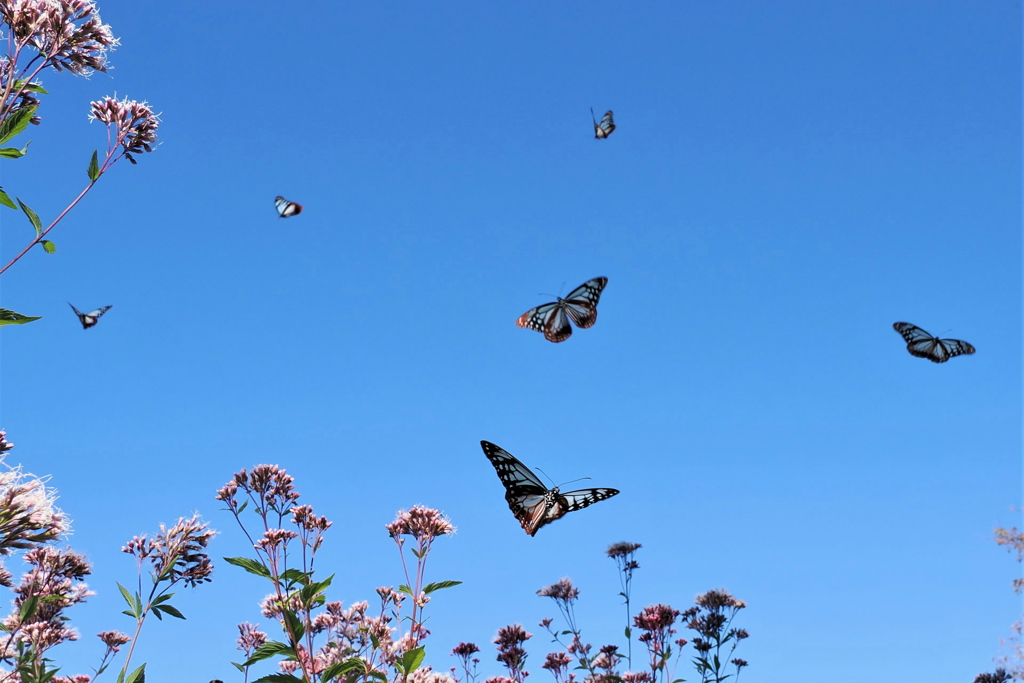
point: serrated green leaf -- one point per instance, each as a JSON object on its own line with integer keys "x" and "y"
{"x": 137, "y": 676}
{"x": 336, "y": 670}
{"x": 438, "y": 585}
{"x": 294, "y": 576}
{"x": 375, "y": 641}
{"x": 13, "y": 152}
{"x": 251, "y": 566}
{"x": 295, "y": 626}
{"x": 405, "y": 589}
{"x": 28, "y": 608}
{"x": 8, "y": 317}
{"x": 48, "y": 246}
{"x": 94, "y": 166}
{"x": 36, "y": 223}
{"x": 412, "y": 659}
{"x": 278, "y": 678}
{"x": 268, "y": 650}
{"x": 15, "y": 123}
{"x": 6, "y": 200}
{"x": 20, "y": 85}
{"x": 134, "y": 604}
{"x": 167, "y": 609}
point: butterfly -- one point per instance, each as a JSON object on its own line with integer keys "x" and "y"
{"x": 553, "y": 319}
{"x": 923, "y": 345}
{"x": 605, "y": 128}
{"x": 91, "y": 318}
{"x": 286, "y": 208}
{"x": 533, "y": 504}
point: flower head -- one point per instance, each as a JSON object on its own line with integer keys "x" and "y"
{"x": 68, "y": 33}
{"x": 420, "y": 522}
{"x": 134, "y": 124}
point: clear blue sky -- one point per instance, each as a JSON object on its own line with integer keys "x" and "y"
{"x": 785, "y": 182}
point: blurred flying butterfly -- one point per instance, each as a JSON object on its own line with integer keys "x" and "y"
{"x": 605, "y": 128}
{"x": 286, "y": 208}
{"x": 923, "y": 345}
{"x": 552, "y": 319}
{"x": 533, "y": 504}
{"x": 91, "y": 318}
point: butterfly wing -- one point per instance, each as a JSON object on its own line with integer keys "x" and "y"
{"x": 605, "y": 128}
{"x": 526, "y": 495}
{"x": 549, "y": 319}
{"x": 286, "y": 208}
{"x": 91, "y": 318}
{"x": 924, "y": 345}
{"x": 581, "y": 303}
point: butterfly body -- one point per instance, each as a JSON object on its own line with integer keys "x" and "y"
{"x": 91, "y": 318}
{"x": 533, "y": 504}
{"x": 286, "y": 208}
{"x": 924, "y": 345}
{"x": 605, "y": 128}
{"x": 579, "y": 305}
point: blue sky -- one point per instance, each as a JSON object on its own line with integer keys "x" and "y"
{"x": 785, "y": 183}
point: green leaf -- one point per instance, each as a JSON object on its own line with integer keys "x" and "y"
{"x": 167, "y": 609}
{"x": 6, "y": 200}
{"x": 15, "y": 123}
{"x": 337, "y": 670}
{"x": 11, "y": 318}
{"x": 629, "y": 632}
{"x": 238, "y": 666}
{"x": 279, "y": 678}
{"x": 48, "y": 246}
{"x": 268, "y": 650}
{"x": 405, "y": 589}
{"x": 295, "y": 626}
{"x": 137, "y": 676}
{"x": 14, "y": 152}
{"x": 134, "y": 603}
{"x": 162, "y": 598}
{"x": 294, "y": 576}
{"x": 412, "y": 659}
{"x": 251, "y": 566}
{"x": 94, "y": 167}
{"x": 431, "y": 587}
{"x": 28, "y": 608}
{"x": 36, "y": 223}
{"x": 20, "y": 85}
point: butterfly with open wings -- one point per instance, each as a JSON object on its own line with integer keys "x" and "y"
{"x": 552, "y": 319}
{"x": 286, "y": 208}
{"x": 605, "y": 128}
{"x": 533, "y": 504}
{"x": 924, "y": 345}
{"x": 91, "y": 318}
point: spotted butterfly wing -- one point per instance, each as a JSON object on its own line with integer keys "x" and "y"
{"x": 533, "y": 504}
{"x": 580, "y": 305}
{"x": 91, "y": 318}
{"x": 286, "y": 208}
{"x": 605, "y": 128}
{"x": 924, "y": 345}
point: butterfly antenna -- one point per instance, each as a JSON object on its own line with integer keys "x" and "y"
{"x": 545, "y": 474}
{"x": 572, "y": 482}
{"x": 592, "y": 117}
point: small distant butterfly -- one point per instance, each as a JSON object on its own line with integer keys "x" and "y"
{"x": 923, "y": 345}
{"x": 553, "y": 319}
{"x": 605, "y": 128}
{"x": 91, "y": 318}
{"x": 286, "y": 208}
{"x": 533, "y": 504}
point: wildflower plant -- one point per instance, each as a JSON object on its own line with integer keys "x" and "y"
{"x": 63, "y": 35}
{"x": 711, "y": 618}
{"x": 323, "y": 641}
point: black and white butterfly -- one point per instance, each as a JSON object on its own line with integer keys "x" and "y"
{"x": 607, "y": 125}
{"x": 91, "y": 318}
{"x": 552, "y": 319}
{"x": 924, "y": 345}
{"x": 533, "y": 504}
{"x": 286, "y": 208}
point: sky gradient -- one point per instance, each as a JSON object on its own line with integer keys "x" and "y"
{"x": 784, "y": 184}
